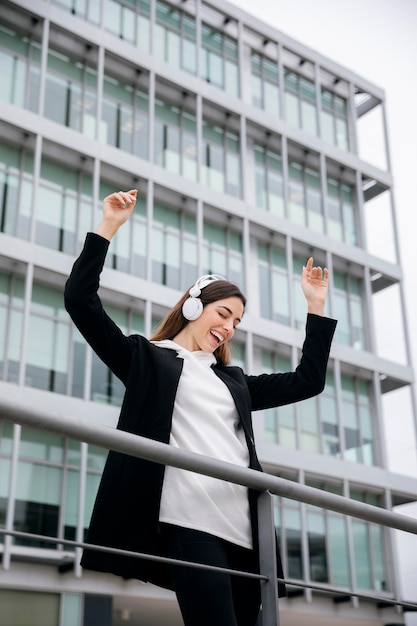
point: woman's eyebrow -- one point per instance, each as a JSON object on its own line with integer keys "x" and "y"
{"x": 229, "y": 311}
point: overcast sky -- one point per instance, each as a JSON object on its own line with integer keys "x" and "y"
{"x": 376, "y": 39}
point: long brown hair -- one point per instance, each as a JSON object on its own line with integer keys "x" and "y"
{"x": 175, "y": 321}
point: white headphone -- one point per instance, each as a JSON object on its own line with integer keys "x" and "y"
{"x": 193, "y": 307}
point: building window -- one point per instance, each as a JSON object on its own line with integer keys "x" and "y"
{"x": 238, "y": 354}
{"x": 279, "y": 423}
{"x": 86, "y": 9}
{"x": 71, "y": 93}
{"x": 128, "y": 251}
{"x": 39, "y": 486}
{"x": 174, "y": 247}
{"x": 221, "y": 160}
{"x": 369, "y": 548}
{"x": 128, "y": 20}
{"x": 124, "y": 120}
{"x": 300, "y": 102}
{"x": 175, "y": 37}
{"x": 223, "y": 253}
{"x": 265, "y": 83}
{"x": 48, "y": 348}
{"x": 287, "y": 514}
{"x": 16, "y": 191}
{"x": 329, "y": 416}
{"x": 341, "y": 212}
{"x": 269, "y": 181}
{"x": 175, "y": 140}
{"x": 12, "y": 290}
{"x": 273, "y": 283}
{"x": 327, "y": 542}
{"x": 348, "y": 309}
{"x": 20, "y": 58}
{"x": 219, "y": 60}
{"x": 64, "y": 207}
{"x": 305, "y": 199}
{"x": 16, "y": 606}
{"x": 334, "y": 123}
{"x": 359, "y": 438}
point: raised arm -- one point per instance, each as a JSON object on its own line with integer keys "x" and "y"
{"x": 117, "y": 208}
{"x": 81, "y": 298}
{"x": 314, "y": 282}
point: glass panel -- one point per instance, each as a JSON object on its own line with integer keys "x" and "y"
{"x": 72, "y": 489}
{"x": 19, "y": 608}
{"x": 231, "y": 72}
{"x": 317, "y": 547}
{"x": 292, "y": 525}
{"x": 189, "y": 56}
{"x": 292, "y": 110}
{"x": 40, "y": 445}
{"x": 71, "y": 606}
{"x": 362, "y": 556}
{"x": 378, "y": 552}
{"x": 309, "y": 117}
{"x": 338, "y": 551}
{"x": 309, "y": 425}
{"x": 271, "y": 93}
{"x": 38, "y": 493}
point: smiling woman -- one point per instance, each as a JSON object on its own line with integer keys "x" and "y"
{"x": 181, "y": 390}
{"x": 206, "y": 317}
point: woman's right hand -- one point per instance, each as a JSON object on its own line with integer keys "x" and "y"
{"x": 117, "y": 208}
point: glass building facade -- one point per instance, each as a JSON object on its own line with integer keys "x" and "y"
{"x": 245, "y": 152}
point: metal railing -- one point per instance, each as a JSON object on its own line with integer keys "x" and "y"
{"x": 120, "y": 441}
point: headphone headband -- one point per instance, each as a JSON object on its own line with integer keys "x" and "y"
{"x": 193, "y": 307}
{"x": 206, "y": 279}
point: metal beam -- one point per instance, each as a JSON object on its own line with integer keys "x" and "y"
{"x": 110, "y": 438}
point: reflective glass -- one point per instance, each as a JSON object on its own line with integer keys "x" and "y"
{"x": 71, "y": 93}
{"x": 38, "y": 496}
{"x": 378, "y": 557}
{"x": 338, "y": 550}
{"x": 71, "y": 607}
{"x": 41, "y": 445}
{"x": 174, "y": 247}
{"x": 309, "y": 425}
{"x": 29, "y": 607}
{"x": 293, "y": 536}
{"x": 20, "y": 61}
{"x": 47, "y": 354}
{"x": 361, "y": 554}
{"x": 316, "y": 534}
{"x": 16, "y": 190}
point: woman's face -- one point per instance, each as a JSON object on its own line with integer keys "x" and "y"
{"x": 215, "y": 326}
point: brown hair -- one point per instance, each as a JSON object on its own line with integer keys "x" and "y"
{"x": 175, "y": 321}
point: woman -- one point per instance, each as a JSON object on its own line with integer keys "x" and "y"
{"x": 180, "y": 390}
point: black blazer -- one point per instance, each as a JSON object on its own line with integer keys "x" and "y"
{"x": 126, "y": 511}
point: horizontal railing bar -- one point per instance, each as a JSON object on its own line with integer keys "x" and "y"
{"x": 151, "y": 557}
{"x": 152, "y": 450}
{"x": 138, "y": 555}
{"x": 347, "y": 592}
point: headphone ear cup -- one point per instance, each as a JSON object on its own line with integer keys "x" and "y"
{"x": 192, "y": 309}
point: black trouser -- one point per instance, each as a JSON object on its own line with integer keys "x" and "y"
{"x": 208, "y": 598}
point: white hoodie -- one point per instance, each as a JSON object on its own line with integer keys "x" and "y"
{"x": 205, "y": 421}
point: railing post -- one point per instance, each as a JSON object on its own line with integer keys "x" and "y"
{"x": 268, "y": 560}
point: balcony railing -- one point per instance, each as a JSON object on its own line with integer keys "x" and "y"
{"x": 110, "y": 438}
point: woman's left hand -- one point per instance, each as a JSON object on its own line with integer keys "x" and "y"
{"x": 314, "y": 282}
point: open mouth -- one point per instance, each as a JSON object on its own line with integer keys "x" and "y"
{"x": 217, "y": 336}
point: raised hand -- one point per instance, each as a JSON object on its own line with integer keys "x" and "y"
{"x": 117, "y": 208}
{"x": 314, "y": 282}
